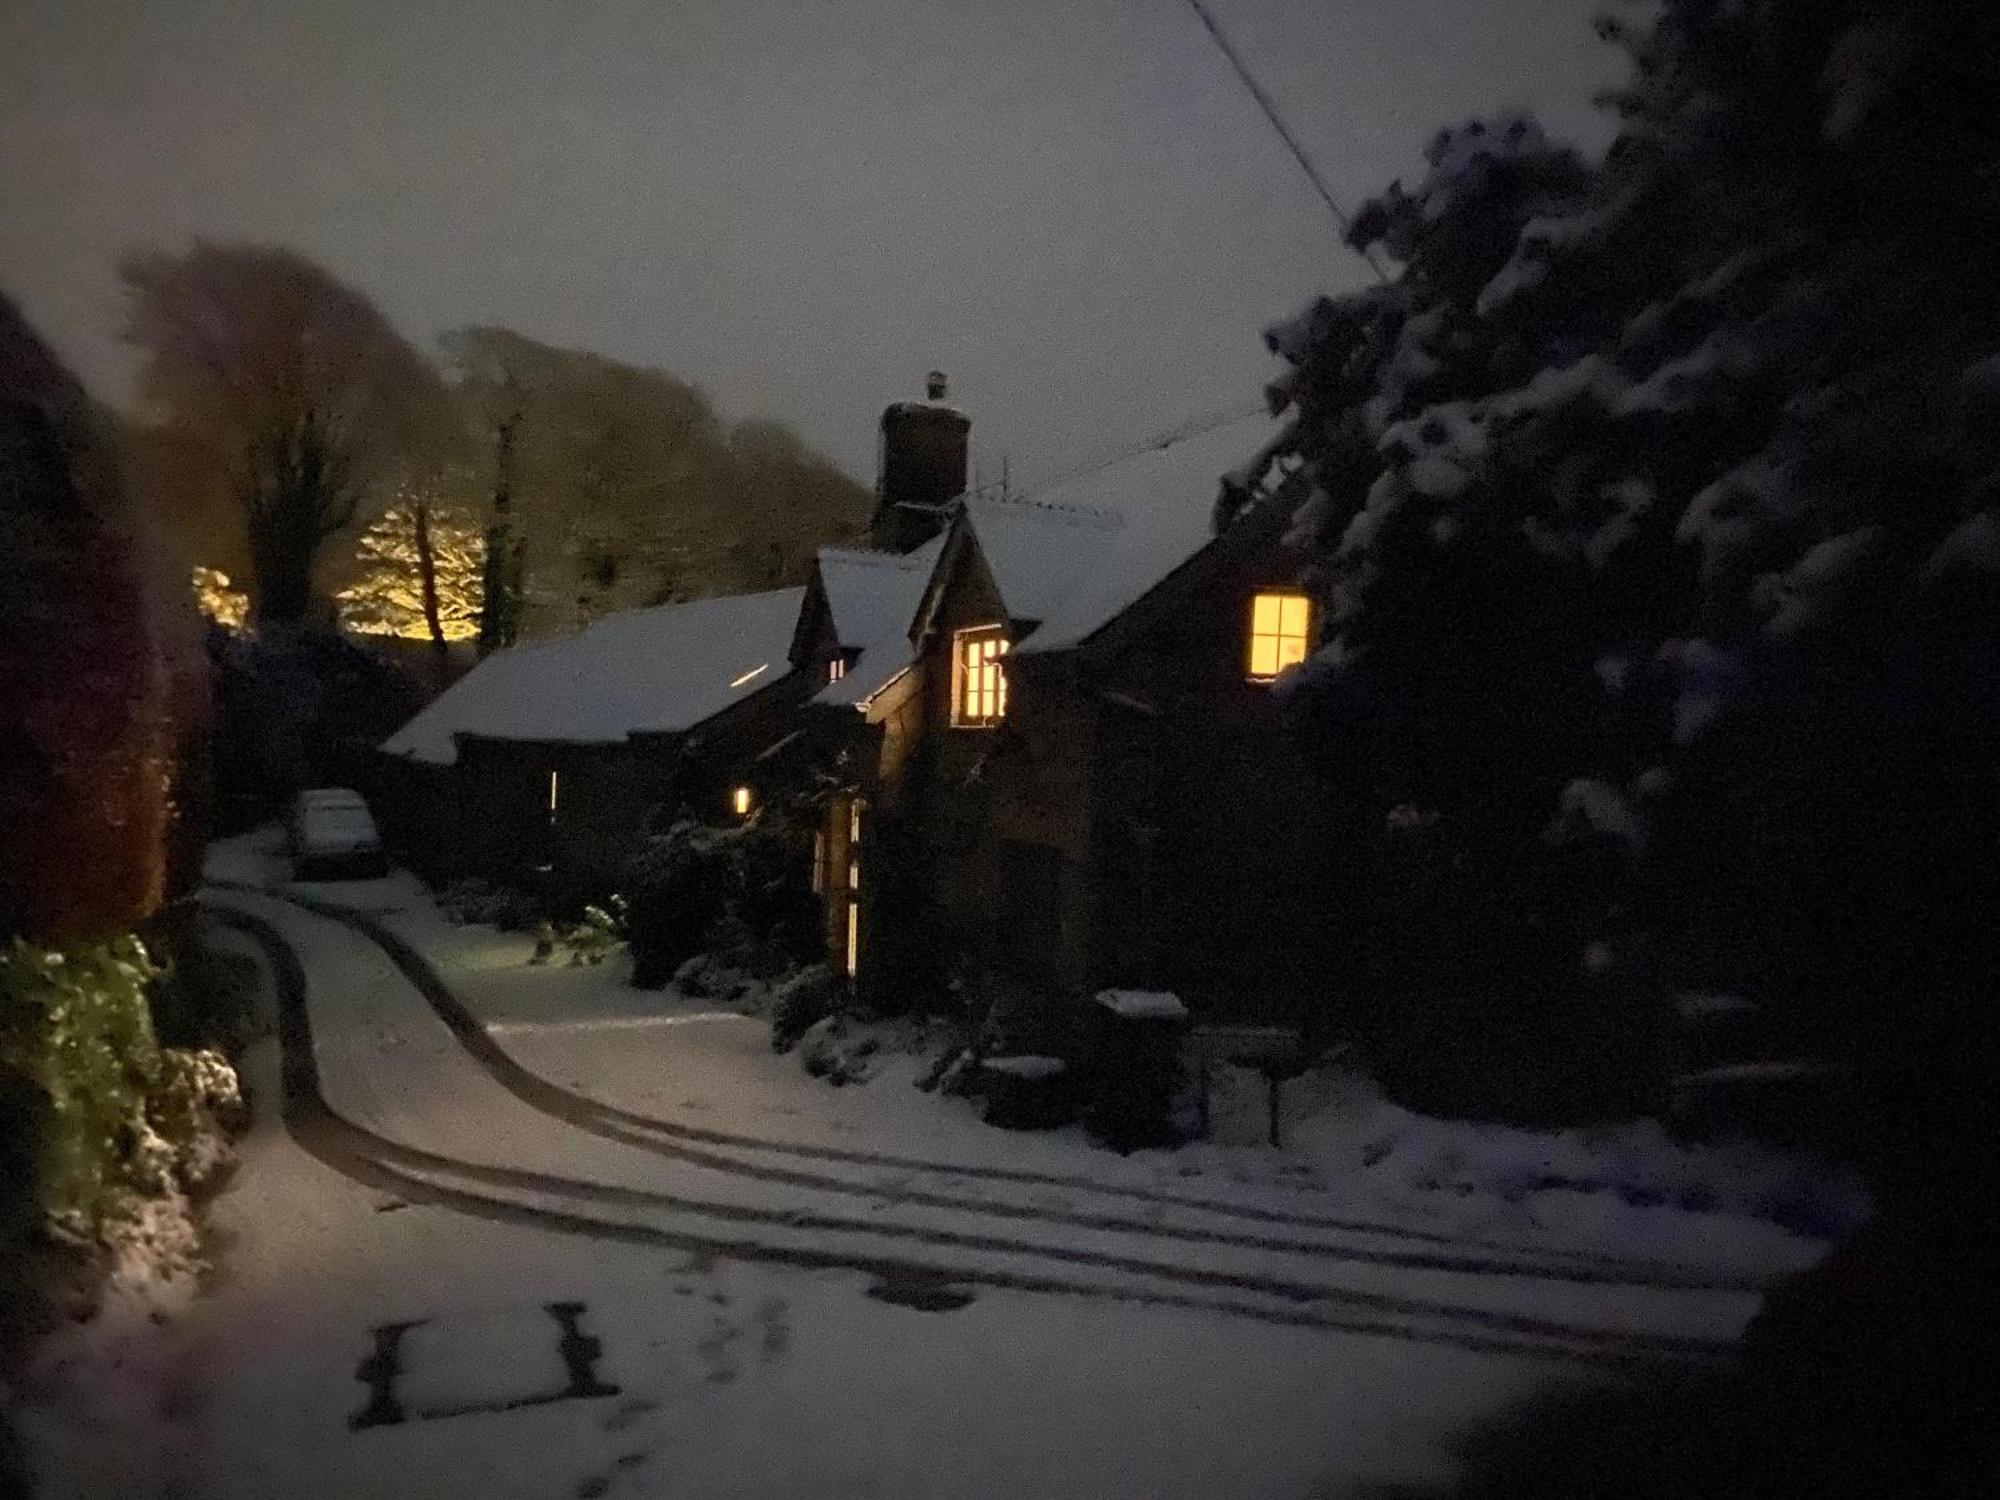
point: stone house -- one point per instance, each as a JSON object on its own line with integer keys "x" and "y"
{"x": 1057, "y": 757}
{"x": 1038, "y": 734}
{"x": 549, "y": 759}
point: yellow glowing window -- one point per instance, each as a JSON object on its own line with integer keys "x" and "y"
{"x": 1279, "y": 627}
{"x": 853, "y": 886}
{"x": 554, "y": 785}
{"x": 836, "y": 669}
{"x": 740, "y": 801}
{"x": 979, "y": 681}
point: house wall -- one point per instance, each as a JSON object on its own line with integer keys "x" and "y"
{"x": 1217, "y": 848}
{"x": 603, "y": 796}
{"x": 1140, "y": 818}
{"x": 488, "y": 814}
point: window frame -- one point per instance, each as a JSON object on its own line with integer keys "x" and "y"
{"x": 991, "y": 691}
{"x": 1303, "y": 636}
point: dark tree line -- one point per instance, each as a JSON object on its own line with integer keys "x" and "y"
{"x": 280, "y": 413}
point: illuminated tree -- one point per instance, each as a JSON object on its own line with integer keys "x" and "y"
{"x": 421, "y": 574}
{"x": 218, "y": 600}
{"x": 282, "y": 388}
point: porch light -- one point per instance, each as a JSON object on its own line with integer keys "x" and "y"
{"x": 740, "y": 801}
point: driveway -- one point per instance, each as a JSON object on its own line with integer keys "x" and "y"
{"x": 642, "y": 1257}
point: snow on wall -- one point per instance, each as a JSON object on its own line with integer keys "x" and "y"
{"x": 648, "y": 670}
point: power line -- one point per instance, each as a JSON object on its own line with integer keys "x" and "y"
{"x": 1270, "y": 108}
{"x": 1180, "y": 432}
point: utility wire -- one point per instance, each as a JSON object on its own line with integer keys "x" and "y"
{"x": 1180, "y": 432}
{"x": 1197, "y": 426}
{"x": 1270, "y": 108}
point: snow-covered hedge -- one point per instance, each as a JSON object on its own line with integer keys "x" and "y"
{"x": 116, "y": 1120}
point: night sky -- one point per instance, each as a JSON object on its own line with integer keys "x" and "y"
{"x": 1070, "y": 205}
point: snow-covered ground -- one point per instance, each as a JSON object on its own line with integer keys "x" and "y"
{"x": 865, "y": 1291}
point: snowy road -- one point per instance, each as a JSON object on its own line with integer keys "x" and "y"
{"x": 513, "y": 1287}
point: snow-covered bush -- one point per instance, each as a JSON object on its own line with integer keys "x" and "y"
{"x": 1633, "y": 493}
{"x": 800, "y": 1003}
{"x": 599, "y": 934}
{"x": 118, "y": 1115}
{"x": 740, "y": 893}
{"x": 679, "y": 883}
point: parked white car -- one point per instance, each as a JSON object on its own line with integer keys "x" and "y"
{"x": 333, "y": 837}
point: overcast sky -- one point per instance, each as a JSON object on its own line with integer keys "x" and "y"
{"x": 1072, "y": 206}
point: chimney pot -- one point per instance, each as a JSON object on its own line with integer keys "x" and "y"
{"x": 934, "y": 385}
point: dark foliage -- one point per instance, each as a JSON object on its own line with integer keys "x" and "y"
{"x": 740, "y": 893}
{"x": 298, "y": 707}
{"x": 1655, "y": 517}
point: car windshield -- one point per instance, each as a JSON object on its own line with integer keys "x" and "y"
{"x": 348, "y": 819}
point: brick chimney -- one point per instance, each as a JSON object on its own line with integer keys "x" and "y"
{"x": 922, "y": 471}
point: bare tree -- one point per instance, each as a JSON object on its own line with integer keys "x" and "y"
{"x": 287, "y": 390}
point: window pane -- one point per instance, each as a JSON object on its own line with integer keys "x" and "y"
{"x": 1291, "y": 651}
{"x": 1264, "y": 615}
{"x": 1264, "y": 656}
{"x": 1295, "y": 614}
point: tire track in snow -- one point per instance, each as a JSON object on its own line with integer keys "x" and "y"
{"x": 585, "y": 1113}
{"x": 1498, "y": 1330}
{"x": 376, "y": 1161}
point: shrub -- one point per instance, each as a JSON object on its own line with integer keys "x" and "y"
{"x": 206, "y": 995}
{"x": 740, "y": 894}
{"x": 117, "y": 1114}
{"x": 475, "y": 901}
{"x": 598, "y": 935}
{"x": 679, "y": 883}
{"x": 801, "y": 1003}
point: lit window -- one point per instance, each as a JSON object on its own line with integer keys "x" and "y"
{"x": 554, "y": 785}
{"x": 853, "y": 887}
{"x": 979, "y": 682}
{"x": 740, "y": 801}
{"x": 1279, "y": 627}
{"x": 836, "y": 668}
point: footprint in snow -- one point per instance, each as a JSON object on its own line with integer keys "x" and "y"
{"x": 774, "y": 1321}
{"x": 715, "y": 1351}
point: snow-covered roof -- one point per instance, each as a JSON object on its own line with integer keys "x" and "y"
{"x": 1151, "y": 513}
{"x": 873, "y": 597}
{"x": 1071, "y": 556}
{"x": 658, "y": 670}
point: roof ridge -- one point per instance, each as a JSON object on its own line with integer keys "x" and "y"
{"x": 1109, "y": 515}
{"x": 873, "y": 557}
